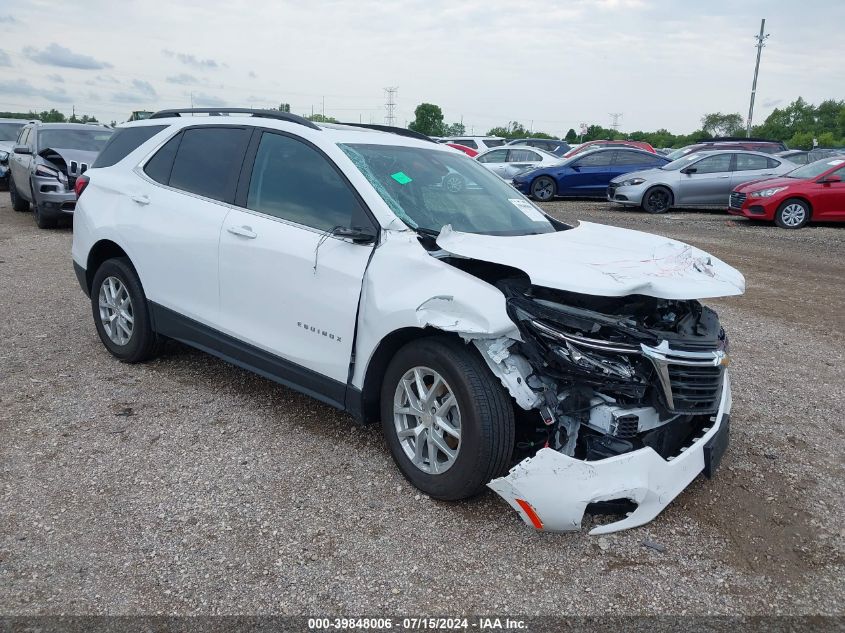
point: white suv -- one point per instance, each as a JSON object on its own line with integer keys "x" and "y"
{"x": 400, "y": 281}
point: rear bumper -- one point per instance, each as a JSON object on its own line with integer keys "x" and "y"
{"x": 558, "y": 488}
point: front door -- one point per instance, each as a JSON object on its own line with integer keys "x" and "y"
{"x": 708, "y": 183}
{"x": 829, "y": 197}
{"x": 287, "y": 285}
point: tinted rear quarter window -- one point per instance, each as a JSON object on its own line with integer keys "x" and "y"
{"x": 159, "y": 166}
{"x": 209, "y": 161}
{"x": 125, "y": 141}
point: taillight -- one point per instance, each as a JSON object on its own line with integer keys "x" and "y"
{"x": 81, "y": 184}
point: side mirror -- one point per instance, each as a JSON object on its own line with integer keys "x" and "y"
{"x": 830, "y": 179}
{"x": 689, "y": 170}
{"x": 358, "y": 235}
{"x": 575, "y": 167}
{"x": 22, "y": 149}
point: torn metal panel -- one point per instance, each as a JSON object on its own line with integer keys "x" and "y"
{"x": 601, "y": 260}
{"x": 512, "y": 369}
{"x": 559, "y": 488}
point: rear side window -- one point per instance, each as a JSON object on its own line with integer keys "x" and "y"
{"x": 125, "y": 141}
{"x": 772, "y": 163}
{"x": 631, "y": 158}
{"x": 522, "y": 155}
{"x": 208, "y": 161}
{"x": 494, "y": 142}
{"x": 467, "y": 143}
{"x": 159, "y": 166}
{"x": 749, "y": 162}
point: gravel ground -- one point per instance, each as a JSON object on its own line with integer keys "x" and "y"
{"x": 188, "y": 486}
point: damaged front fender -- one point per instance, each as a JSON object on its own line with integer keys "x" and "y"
{"x": 551, "y": 491}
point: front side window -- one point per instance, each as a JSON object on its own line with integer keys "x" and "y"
{"x": 496, "y": 156}
{"x": 713, "y": 164}
{"x": 293, "y": 181}
{"x": 429, "y": 188}
{"x": 748, "y": 162}
{"x": 594, "y": 159}
{"x": 93, "y": 140}
{"x": 208, "y": 161}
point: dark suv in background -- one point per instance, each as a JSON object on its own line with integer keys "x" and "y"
{"x": 9, "y": 130}
{"x": 730, "y": 142}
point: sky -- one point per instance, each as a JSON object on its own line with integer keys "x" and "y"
{"x": 549, "y": 64}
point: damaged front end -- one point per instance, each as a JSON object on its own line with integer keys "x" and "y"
{"x": 633, "y": 396}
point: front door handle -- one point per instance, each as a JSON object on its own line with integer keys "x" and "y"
{"x": 243, "y": 231}
{"x": 140, "y": 198}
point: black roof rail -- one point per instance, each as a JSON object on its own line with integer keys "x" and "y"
{"x": 266, "y": 114}
{"x": 400, "y": 131}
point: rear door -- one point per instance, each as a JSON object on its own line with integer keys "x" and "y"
{"x": 748, "y": 167}
{"x": 178, "y": 206}
{"x": 520, "y": 159}
{"x": 496, "y": 161}
{"x": 287, "y": 285}
{"x": 707, "y": 182}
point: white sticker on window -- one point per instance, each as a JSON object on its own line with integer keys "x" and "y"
{"x": 528, "y": 209}
{"x": 836, "y": 162}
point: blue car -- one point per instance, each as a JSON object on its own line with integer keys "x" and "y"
{"x": 586, "y": 174}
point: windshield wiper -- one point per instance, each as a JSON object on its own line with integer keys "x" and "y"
{"x": 427, "y": 232}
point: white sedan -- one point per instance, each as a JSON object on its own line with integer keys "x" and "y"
{"x": 507, "y": 162}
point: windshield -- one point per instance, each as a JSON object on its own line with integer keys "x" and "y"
{"x": 86, "y": 140}
{"x": 680, "y": 153}
{"x": 428, "y": 189}
{"x": 812, "y": 170}
{"x": 9, "y": 131}
{"x": 680, "y": 162}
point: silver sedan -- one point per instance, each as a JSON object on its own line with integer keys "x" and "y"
{"x": 507, "y": 162}
{"x": 698, "y": 179}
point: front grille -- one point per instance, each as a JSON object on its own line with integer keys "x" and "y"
{"x": 626, "y": 426}
{"x": 695, "y": 388}
{"x": 690, "y": 381}
{"x": 737, "y": 200}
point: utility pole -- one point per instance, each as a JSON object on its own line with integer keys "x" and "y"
{"x": 324, "y": 109}
{"x": 615, "y": 116}
{"x": 390, "y": 105}
{"x": 761, "y": 39}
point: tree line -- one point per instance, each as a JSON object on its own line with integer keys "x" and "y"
{"x": 49, "y": 116}
{"x": 798, "y": 125}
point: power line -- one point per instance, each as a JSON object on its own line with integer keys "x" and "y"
{"x": 761, "y": 42}
{"x": 390, "y": 118}
{"x": 615, "y": 116}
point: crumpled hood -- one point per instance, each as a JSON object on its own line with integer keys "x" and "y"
{"x": 68, "y": 155}
{"x": 595, "y": 259}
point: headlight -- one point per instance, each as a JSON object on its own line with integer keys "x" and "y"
{"x": 631, "y": 182}
{"x": 766, "y": 193}
{"x": 4, "y": 156}
{"x": 41, "y": 170}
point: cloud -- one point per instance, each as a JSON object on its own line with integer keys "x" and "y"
{"x": 144, "y": 87}
{"x": 183, "y": 79}
{"x": 4, "y": 58}
{"x": 252, "y": 74}
{"x": 55, "y": 77}
{"x": 22, "y": 88}
{"x": 55, "y": 55}
{"x": 202, "y": 100}
{"x": 191, "y": 60}
{"x": 9, "y": 19}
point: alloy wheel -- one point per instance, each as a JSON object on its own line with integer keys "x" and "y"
{"x": 427, "y": 420}
{"x": 116, "y": 312}
{"x": 543, "y": 189}
{"x": 658, "y": 200}
{"x": 793, "y": 214}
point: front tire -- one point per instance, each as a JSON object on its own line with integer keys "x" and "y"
{"x": 43, "y": 222}
{"x": 792, "y": 214}
{"x": 121, "y": 313}
{"x": 448, "y": 422}
{"x": 657, "y": 200}
{"x": 544, "y": 189}
{"x": 18, "y": 204}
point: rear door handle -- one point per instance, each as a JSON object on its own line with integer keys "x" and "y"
{"x": 243, "y": 231}
{"x": 140, "y": 199}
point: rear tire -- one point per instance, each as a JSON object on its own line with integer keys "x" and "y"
{"x": 543, "y": 188}
{"x": 657, "y": 200}
{"x": 121, "y": 313}
{"x": 18, "y": 204}
{"x": 484, "y": 420}
{"x": 792, "y": 214}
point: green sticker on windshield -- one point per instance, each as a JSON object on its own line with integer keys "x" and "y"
{"x": 401, "y": 177}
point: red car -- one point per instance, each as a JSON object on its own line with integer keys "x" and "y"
{"x": 815, "y": 191}
{"x": 466, "y": 150}
{"x": 583, "y": 147}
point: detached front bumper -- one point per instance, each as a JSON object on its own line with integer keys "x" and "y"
{"x": 754, "y": 208}
{"x": 551, "y": 491}
{"x": 52, "y": 198}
